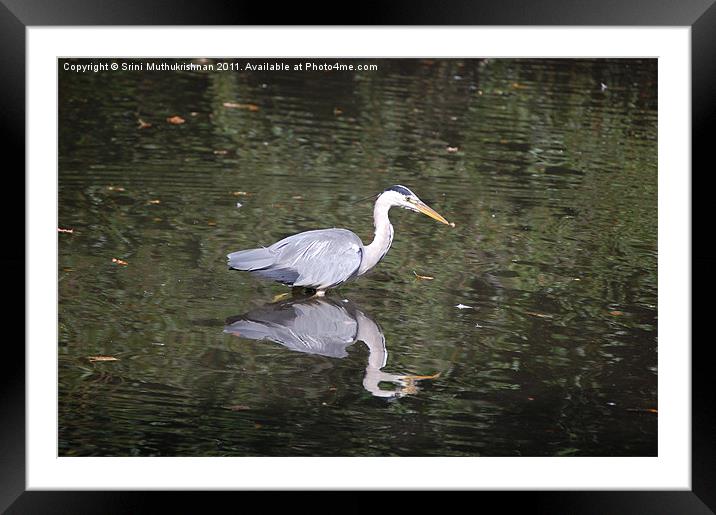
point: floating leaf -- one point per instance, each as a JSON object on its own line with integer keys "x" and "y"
{"x": 463, "y": 306}
{"x": 237, "y": 407}
{"x": 176, "y": 120}
{"x": 540, "y": 315}
{"x": 70, "y": 231}
{"x": 142, "y": 124}
{"x": 452, "y": 150}
{"x": 94, "y": 359}
{"x": 119, "y": 261}
{"x": 419, "y": 378}
{"x": 425, "y": 277}
{"x": 248, "y": 107}
{"x": 643, "y": 410}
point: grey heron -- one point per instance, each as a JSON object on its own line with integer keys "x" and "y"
{"x": 326, "y": 328}
{"x": 327, "y": 258}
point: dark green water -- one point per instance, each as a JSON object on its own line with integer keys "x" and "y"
{"x": 547, "y": 167}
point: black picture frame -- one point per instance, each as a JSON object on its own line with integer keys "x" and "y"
{"x": 17, "y": 15}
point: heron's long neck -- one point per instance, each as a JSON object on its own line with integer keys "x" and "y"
{"x": 370, "y": 334}
{"x": 383, "y": 237}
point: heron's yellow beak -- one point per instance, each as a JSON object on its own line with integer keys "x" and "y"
{"x": 426, "y": 210}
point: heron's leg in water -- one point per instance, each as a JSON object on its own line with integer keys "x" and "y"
{"x": 301, "y": 292}
{"x": 279, "y": 297}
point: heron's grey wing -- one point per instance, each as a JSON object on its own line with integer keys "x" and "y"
{"x": 315, "y": 327}
{"x": 320, "y": 259}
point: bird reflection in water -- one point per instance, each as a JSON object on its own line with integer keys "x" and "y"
{"x": 318, "y": 325}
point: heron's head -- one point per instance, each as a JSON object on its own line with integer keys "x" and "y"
{"x": 400, "y": 196}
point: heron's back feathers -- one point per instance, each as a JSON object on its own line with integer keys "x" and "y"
{"x": 312, "y": 259}
{"x": 252, "y": 259}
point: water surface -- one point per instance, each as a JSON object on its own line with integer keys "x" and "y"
{"x": 547, "y": 167}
